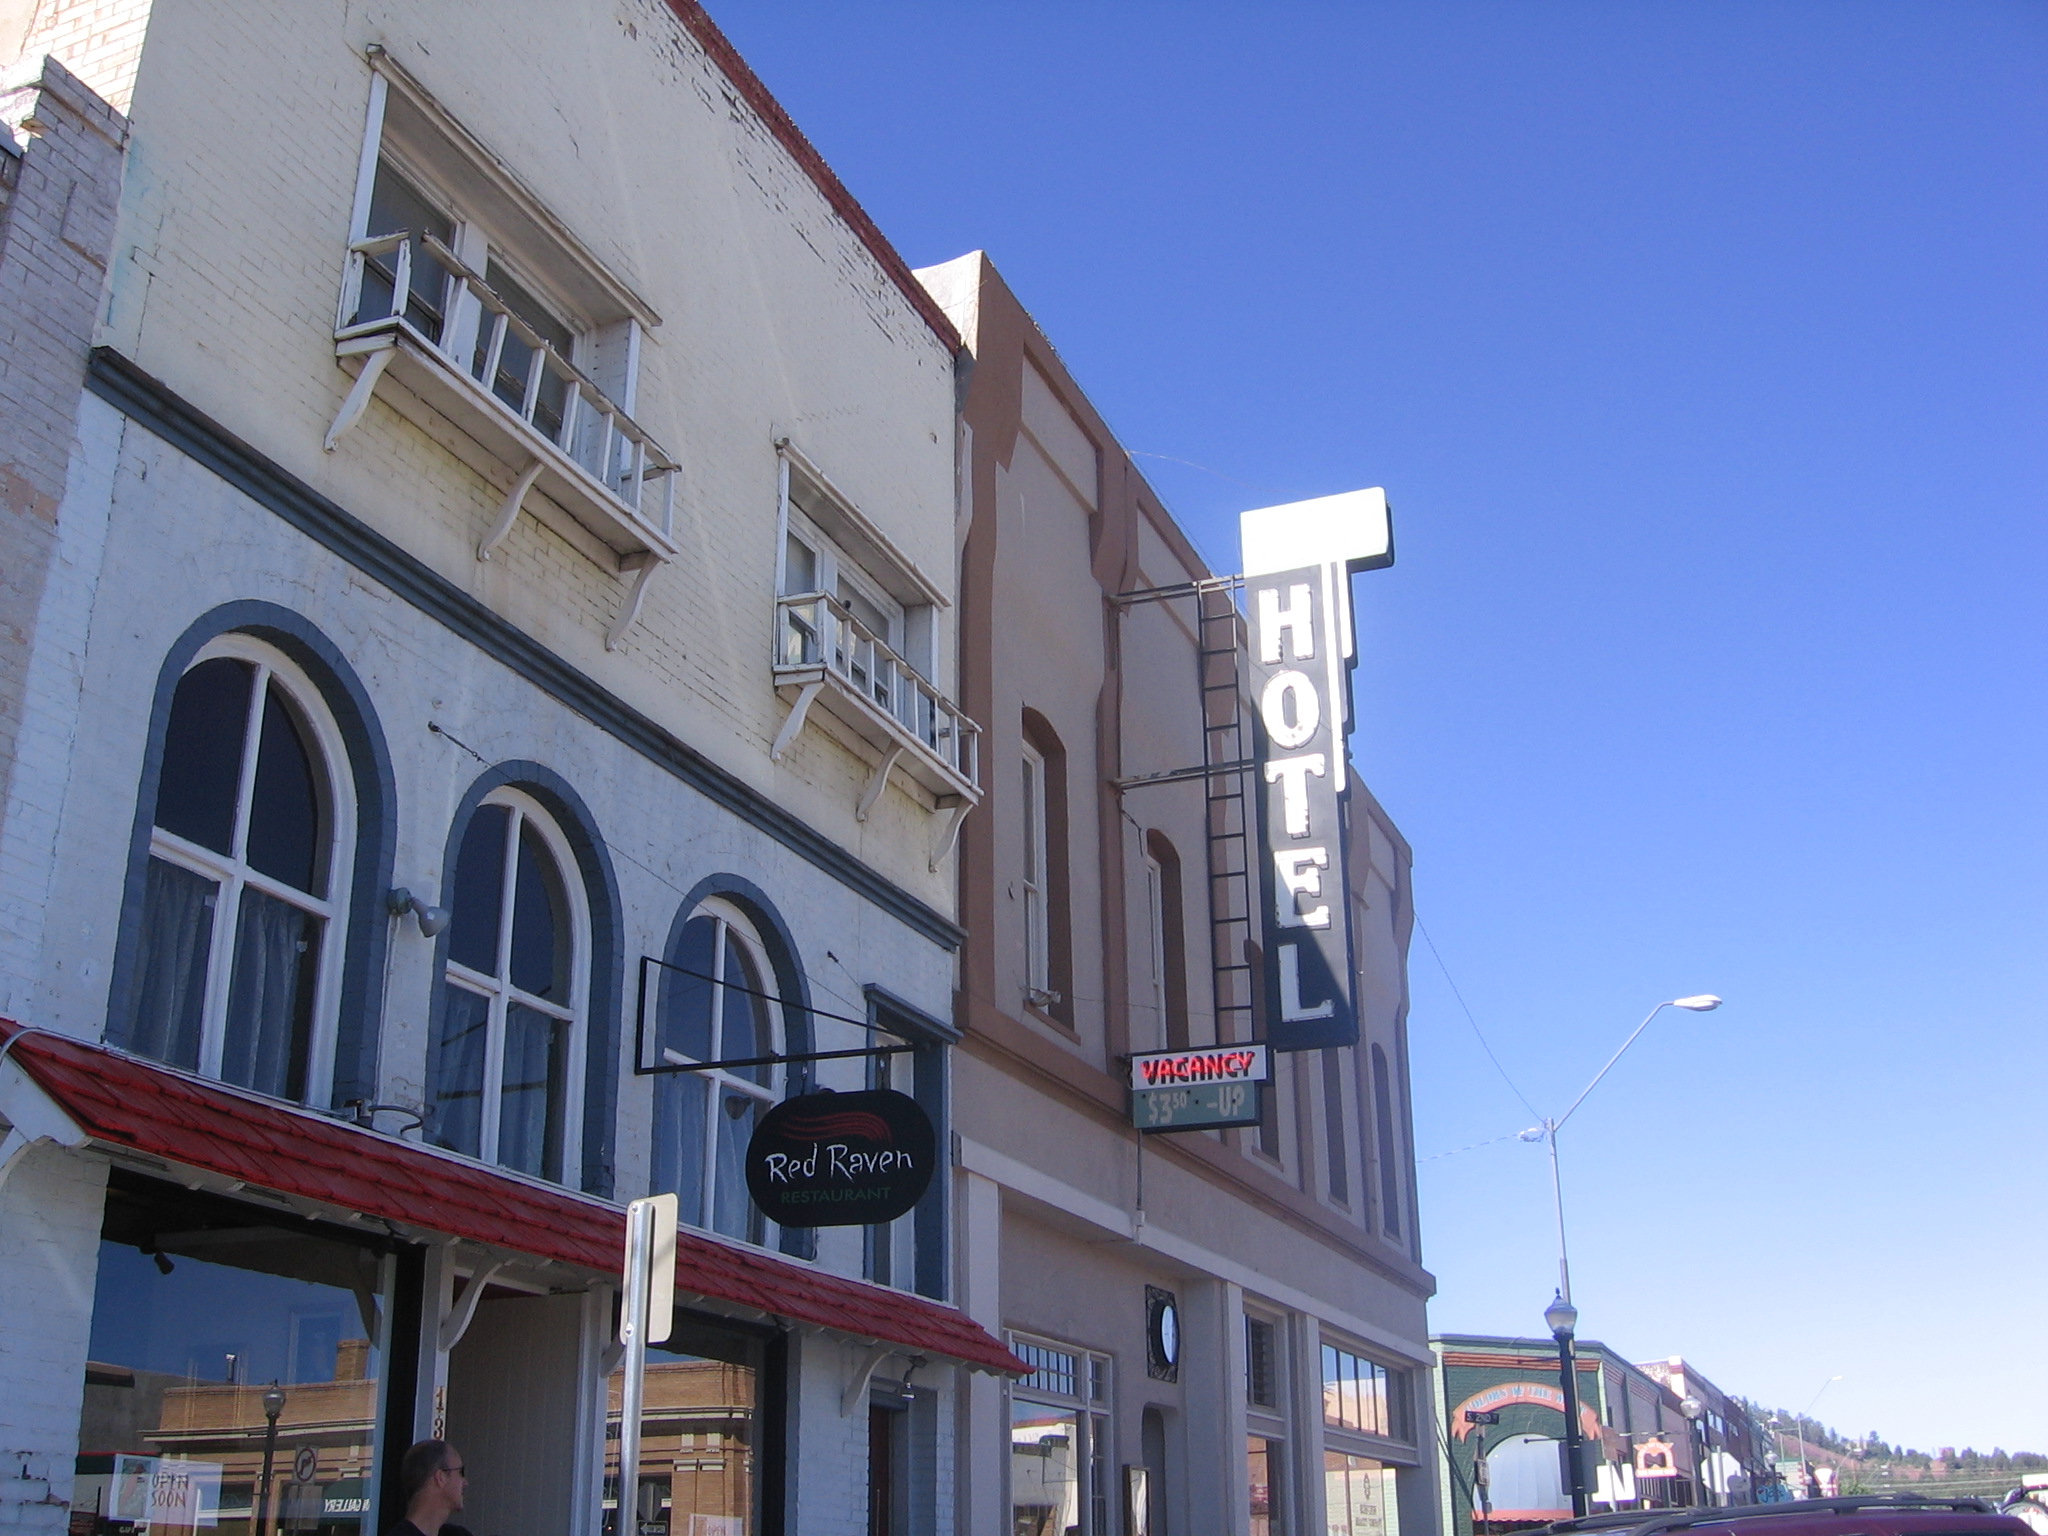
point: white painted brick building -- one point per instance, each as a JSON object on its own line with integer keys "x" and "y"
{"x": 479, "y": 567}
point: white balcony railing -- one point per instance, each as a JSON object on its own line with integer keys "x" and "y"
{"x": 818, "y": 636}
{"x": 413, "y": 286}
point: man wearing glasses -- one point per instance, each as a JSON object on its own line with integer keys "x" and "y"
{"x": 432, "y": 1481}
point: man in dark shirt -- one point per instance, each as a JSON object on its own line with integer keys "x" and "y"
{"x": 432, "y": 1481}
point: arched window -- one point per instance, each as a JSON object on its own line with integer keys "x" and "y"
{"x": 1048, "y": 936}
{"x": 1383, "y": 1124}
{"x": 717, "y": 1003}
{"x": 238, "y": 956}
{"x": 507, "y": 1066}
{"x": 1164, "y": 895}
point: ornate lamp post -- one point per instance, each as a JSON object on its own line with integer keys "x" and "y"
{"x": 1703, "y": 1493}
{"x": 1563, "y": 1319}
{"x": 273, "y": 1405}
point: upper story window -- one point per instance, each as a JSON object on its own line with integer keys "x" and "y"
{"x": 1387, "y": 1142}
{"x": 247, "y": 877}
{"x": 1166, "y": 898}
{"x": 1034, "y": 884}
{"x": 1364, "y": 1397}
{"x": 857, "y": 629}
{"x": 505, "y": 1080}
{"x": 461, "y": 283}
{"x": 1041, "y": 887}
{"x": 717, "y": 1003}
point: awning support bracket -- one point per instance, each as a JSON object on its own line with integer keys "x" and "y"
{"x": 459, "y": 1317}
{"x": 857, "y": 1389}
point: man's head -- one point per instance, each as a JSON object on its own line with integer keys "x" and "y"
{"x": 432, "y": 1480}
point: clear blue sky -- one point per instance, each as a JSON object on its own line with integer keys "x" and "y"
{"x": 1702, "y": 351}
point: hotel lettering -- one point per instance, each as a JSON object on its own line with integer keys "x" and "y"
{"x": 1300, "y": 670}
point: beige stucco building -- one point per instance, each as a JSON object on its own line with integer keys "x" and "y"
{"x": 1296, "y": 1400}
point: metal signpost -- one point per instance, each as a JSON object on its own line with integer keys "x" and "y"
{"x": 647, "y": 1306}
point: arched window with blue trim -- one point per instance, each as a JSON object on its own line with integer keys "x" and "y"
{"x": 246, "y": 886}
{"x": 506, "y": 1080}
{"x": 718, "y": 1001}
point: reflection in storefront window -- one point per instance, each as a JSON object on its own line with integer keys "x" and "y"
{"x": 1264, "y": 1463}
{"x": 699, "y": 1437}
{"x": 1045, "y": 1470}
{"x": 228, "y": 1342}
{"x": 1358, "y": 1493}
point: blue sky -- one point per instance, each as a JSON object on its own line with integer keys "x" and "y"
{"x": 1702, "y": 351}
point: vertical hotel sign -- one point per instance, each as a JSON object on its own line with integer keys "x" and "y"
{"x": 1298, "y": 561}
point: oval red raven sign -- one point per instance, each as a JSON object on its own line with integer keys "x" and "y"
{"x": 841, "y": 1159}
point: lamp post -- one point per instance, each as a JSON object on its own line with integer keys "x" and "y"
{"x": 1563, "y": 1319}
{"x": 273, "y": 1405}
{"x": 1692, "y": 1408}
{"x": 1561, "y": 1315}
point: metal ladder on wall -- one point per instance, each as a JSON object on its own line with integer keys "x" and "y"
{"x": 1229, "y": 830}
{"x": 1229, "y": 833}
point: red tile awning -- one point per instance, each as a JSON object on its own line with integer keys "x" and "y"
{"x": 122, "y": 1101}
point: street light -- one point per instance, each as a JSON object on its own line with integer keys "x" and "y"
{"x": 1561, "y": 1315}
{"x": 1705, "y": 1002}
{"x": 1563, "y": 1319}
{"x": 273, "y": 1405}
{"x": 1692, "y": 1408}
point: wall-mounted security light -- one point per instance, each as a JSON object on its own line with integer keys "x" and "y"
{"x": 432, "y": 919}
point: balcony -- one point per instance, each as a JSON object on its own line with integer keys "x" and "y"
{"x": 824, "y": 654}
{"x": 412, "y": 307}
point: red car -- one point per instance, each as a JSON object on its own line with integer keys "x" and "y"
{"x": 1879, "y": 1515}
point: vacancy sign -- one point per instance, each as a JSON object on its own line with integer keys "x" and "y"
{"x": 1298, "y": 561}
{"x": 1199, "y": 1089}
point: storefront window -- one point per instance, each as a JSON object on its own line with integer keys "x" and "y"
{"x": 1059, "y": 1443}
{"x": 1358, "y": 1495}
{"x": 700, "y": 1436}
{"x": 232, "y": 1383}
{"x": 1265, "y": 1475}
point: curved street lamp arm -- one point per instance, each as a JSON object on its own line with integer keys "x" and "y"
{"x": 1631, "y": 1040}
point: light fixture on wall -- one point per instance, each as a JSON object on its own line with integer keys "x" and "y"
{"x": 905, "y": 1397}
{"x": 432, "y": 919}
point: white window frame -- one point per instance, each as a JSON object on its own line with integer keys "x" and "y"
{"x": 729, "y": 921}
{"x": 232, "y": 874}
{"x": 608, "y": 317}
{"x": 500, "y": 993}
{"x": 1034, "y": 880}
{"x": 604, "y": 481}
{"x": 1094, "y": 1403}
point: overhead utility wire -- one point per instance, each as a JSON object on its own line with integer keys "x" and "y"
{"x": 1477, "y": 1033}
